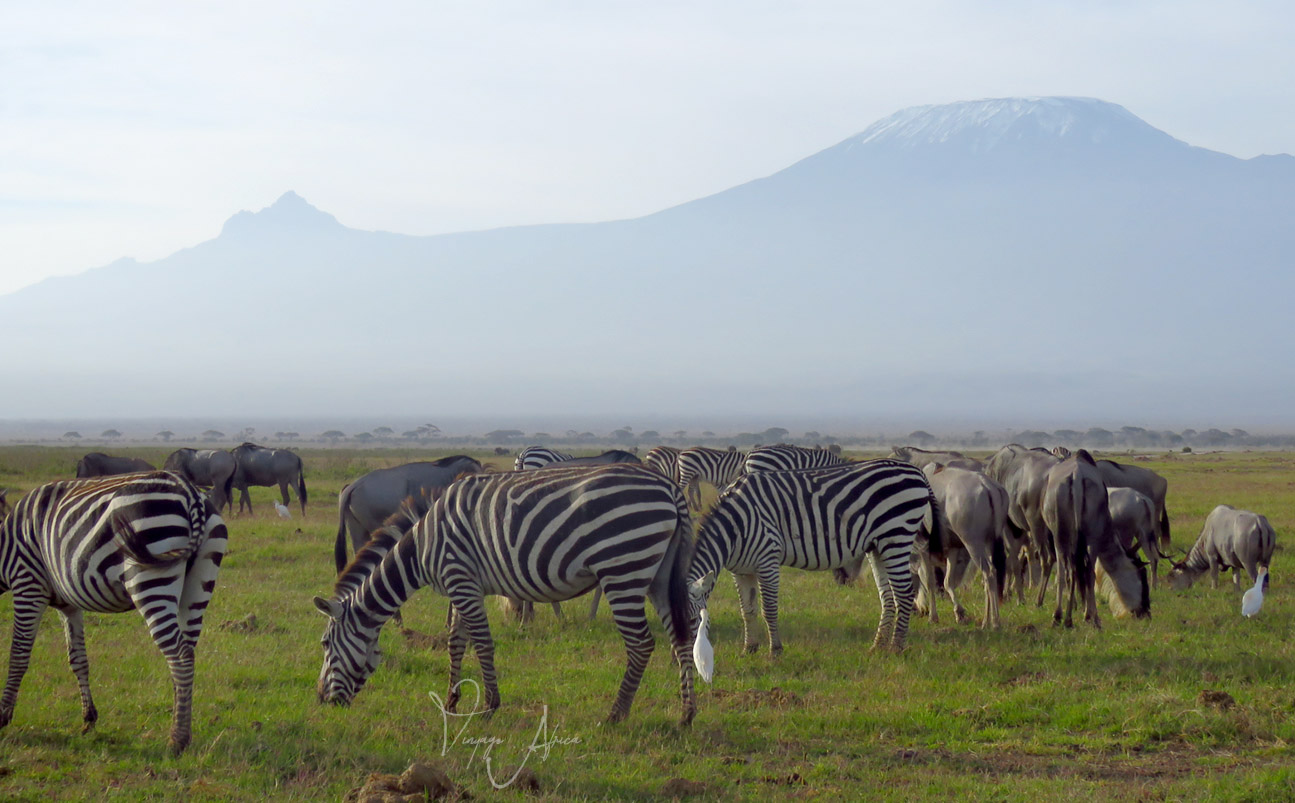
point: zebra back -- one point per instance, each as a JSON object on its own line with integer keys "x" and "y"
{"x": 664, "y": 460}
{"x": 815, "y": 519}
{"x": 716, "y": 466}
{"x": 787, "y": 458}
{"x": 538, "y": 457}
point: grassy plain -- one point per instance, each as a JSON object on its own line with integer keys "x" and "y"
{"x": 1025, "y": 713}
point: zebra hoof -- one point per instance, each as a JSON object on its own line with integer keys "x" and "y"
{"x": 6, "y": 716}
{"x": 615, "y": 716}
{"x": 176, "y": 745}
{"x": 750, "y": 649}
{"x": 775, "y": 651}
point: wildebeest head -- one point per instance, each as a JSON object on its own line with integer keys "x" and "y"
{"x": 1129, "y": 593}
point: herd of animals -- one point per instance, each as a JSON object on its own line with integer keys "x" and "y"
{"x": 126, "y": 536}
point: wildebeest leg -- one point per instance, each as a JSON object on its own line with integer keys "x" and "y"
{"x": 244, "y": 498}
{"x": 593, "y": 604}
{"x": 957, "y": 561}
{"x": 557, "y": 611}
{"x": 920, "y": 563}
{"x": 989, "y": 575}
{"x": 283, "y": 491}
{"x": 768, "y": 577}
{"x": 1047, "y": 557}
{"x": 746, "y": 593}
{"x": 1214, "y": 574}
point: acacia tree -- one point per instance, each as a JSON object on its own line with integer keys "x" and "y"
{"x": 166, "y": 435}
{"x": 111, "y": 434}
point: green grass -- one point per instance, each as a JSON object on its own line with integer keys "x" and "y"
{"x": 1028, "y": 712}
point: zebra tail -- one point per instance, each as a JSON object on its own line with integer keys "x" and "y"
{"x": 936, "y": 536}
{"x": 339, "y": 546}
{"x": 301, "y": 485}
{"x": 680, "y": 615}
{"x": 136, "y": 546}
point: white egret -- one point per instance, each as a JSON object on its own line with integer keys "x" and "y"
{"x": 1254, "y": 598}
{"x": 284, "y": 513}
{"x": 703, "y": 654}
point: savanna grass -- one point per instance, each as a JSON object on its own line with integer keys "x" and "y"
{"x": 1028, "y": 712}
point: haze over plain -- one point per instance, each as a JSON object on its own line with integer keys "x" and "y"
{"x": 842, "y": 286}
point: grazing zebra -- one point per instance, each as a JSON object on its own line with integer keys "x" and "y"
{"x": 716, "y": 466}
{"x": 786, "y": 458}
{"x": 538, "y": 457}
{"x": 149, "y": 542}
{"x": 664, "y": 460}
{"x": 817, "y": 519}
{"x": 539, "y": 536}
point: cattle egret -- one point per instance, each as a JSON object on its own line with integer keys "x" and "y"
{"x": 1254, "y": 598}
{"x": 284, "y": 513}
{"x": 703, "y": 655}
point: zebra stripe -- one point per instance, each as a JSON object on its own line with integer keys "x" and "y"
{"x": 538, "y": 457}
{"x": 816, "y": 519}
{"x": 541, "y": 536}
{"x": 147, "y": 541}
{"x": 664, "y": 460}
{"x": 716, "y": 466}
{"x": 787, "y": 458}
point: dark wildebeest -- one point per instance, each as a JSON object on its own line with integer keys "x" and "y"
{"x": 1134, "y": 517}
{"x": 257, "y": 465}
{"x": 1231, "y": 539}
{"x": 1024, "y": 473}
{"x": 1144, "y": 481}
{"x": 1076, "y": 511}
{"x": 975, "y": 511}
{"x": 209, "y": 468}
{"x": 921, "y": 457}
{"x": 98, "y": 464}
{"x": 364, "y": 505}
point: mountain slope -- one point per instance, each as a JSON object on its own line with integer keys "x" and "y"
{"x": 1009, "y": 257}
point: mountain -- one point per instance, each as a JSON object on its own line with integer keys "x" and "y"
{"x": 1022, "y": 259}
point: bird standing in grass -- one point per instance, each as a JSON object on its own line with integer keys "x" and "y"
{"x": 1254, "y": 598}
{"x": 284, "y": 513}
{"x": 703, "y": 654}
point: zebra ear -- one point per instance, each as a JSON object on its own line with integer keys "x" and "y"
{"x": 329, "y": 607}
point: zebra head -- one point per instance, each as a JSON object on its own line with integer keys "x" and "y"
{"x": 351, "y": 653}
{"x": 699, "y": 594}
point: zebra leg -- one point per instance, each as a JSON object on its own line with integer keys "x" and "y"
{"x": 74, "y": 631}
{"x": 746, "y": 591}
{"x": 28, "y": 607}
{"x": 156, "y": 592}
{"x": 889, "y": 604}
{"x": 557, "y": 611}
{"x": 593, "y": 605}
{"x": 680, "y": 645}
{"x": 768, "y": 576}
{"x": 469, "y": 605}
{"x": 458, "y": 645}
{"x": 627, "y": 611}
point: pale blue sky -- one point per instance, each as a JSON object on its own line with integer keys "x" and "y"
{"x": 137, "y": 128}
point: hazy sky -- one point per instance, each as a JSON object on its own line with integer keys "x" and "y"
{"x": 137, "y": 128}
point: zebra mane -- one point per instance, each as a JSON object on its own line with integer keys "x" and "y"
{"x": 382, "y": 540}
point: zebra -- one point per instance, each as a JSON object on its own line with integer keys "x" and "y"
{"x": 538, "y": 457}
{"x": 784, "y": 458}
{"x": 664, "y": 460}
{"x": 539, "y": 536}
{"x": 150, "y": 542}
{"x": 817, "y": 519}
{"x": 716, "y": 466}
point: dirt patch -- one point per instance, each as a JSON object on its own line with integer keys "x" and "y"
{"x": 681, "y": 787}
{"x": 756, "y": 698}
{"x": 425, "y": 641}
{"x": 417, "y": 783}
{"x": 1025, "y": 679}
{"x": 247, "y": 624}
{"x": 1217, "y": 699}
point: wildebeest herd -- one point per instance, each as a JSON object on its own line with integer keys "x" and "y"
{"x": 124, "y": 535}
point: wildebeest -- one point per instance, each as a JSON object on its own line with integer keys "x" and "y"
{"x": 365, "y": 504}
{"x": 1145, "y": 481}
{"x": 1076, "y": 512}
{"x": 1231, "y": 539}
{"x": 257, "y": 465}
{"x": 921, "y": 457}
{"x": 1024, "y": 473}
{"x": 975, "y": 511}
{"x": 1134, "y": 518}
{"x": 98, "y": 464}
{"x": 210, "y": 468}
